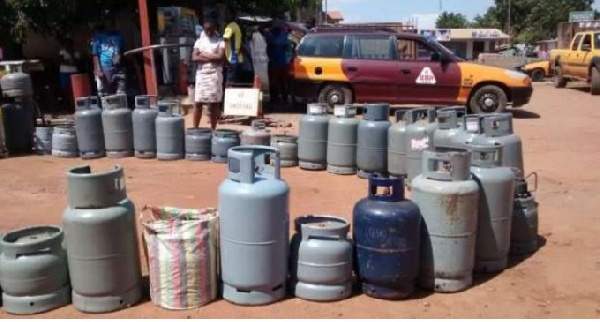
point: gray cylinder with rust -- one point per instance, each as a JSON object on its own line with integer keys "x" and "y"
{"x": 43, "y": 140}
{"x": 288, "y": 149}
{"x": 33, "y": 270}
{"x": 420, "y": 126}
{"x": 64, "y": 142}
{"x": 197, "y": 144}
{"x": 101, "y": 241}
{"x": 258, "y": 134}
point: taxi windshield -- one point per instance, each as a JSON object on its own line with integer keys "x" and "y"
{"x": 434, "y": 43}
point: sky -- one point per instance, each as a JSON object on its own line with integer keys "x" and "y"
{"x": 402, "y": 10}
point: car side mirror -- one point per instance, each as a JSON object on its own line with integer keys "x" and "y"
{"x": 586, "y": 47}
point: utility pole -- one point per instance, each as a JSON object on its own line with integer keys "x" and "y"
{"x": 509, "y": 22}
{"x": 441, "y": 6}
{"x": 326, "y": 13}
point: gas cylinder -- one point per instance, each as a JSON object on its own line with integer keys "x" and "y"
{"x": 321, "y": 258}
{"x": 371, "y": 153}
{"x": 450, "y": 125}
{"x": 448, "y": 198}
{"x": 342, "y": 137}
{"x": 222, "y": 141}
{"x": 118, "y": 127}
{"x": 288, "y": 149}
{"x": 254, "y": 224}
{"x": 64, "y": 142}
{"x": 101, "y": 241}
{"x": 88, "y": 127}
{"x": 312, "y": 142}
{"x": 386, "y": 236}
{"x": 144, "y": 128}
{"x": 16, "y": 85}
{"x": 420, "y": 126}
{"x": 197, "y": 144}
{"x": 496, "y": 186}
{"x": 256, "y": 135}
{"x": 524, "y": 230}
{"x": 472, "y": 127}
{"x": 33, "y": 270}
{"x": 397, "y": 146}
{"x": 170, "y": 133}
{"x": 498, "y": 128}
{"x": 43, "y": 140}
{"x": 18, "y": 125}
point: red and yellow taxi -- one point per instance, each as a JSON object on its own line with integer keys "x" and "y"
{"x": 343, "y": 66}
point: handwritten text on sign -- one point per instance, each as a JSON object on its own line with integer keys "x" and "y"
{"x": 242, "y": 101}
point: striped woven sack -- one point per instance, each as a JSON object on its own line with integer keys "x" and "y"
{"x": 181, "y": 248}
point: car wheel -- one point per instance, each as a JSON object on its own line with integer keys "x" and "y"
{"x": 335, "y": 94}
{"x": 488, "y": 99}
{"x": 595, "y": 83}
{"x": 537, "y": 75}
{"x": 559, "y": 79}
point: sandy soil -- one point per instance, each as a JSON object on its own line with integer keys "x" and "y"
{"x": 561, "y": 280}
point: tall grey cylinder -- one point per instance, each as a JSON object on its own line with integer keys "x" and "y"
{"x": 33, "y": 270}
{"x": 64, "y": 142}
{"x": 372, "y": 147}
{"x": 342, "y": 139}
{"x": 312, "y": 141}
{"x": 449, "y": 128}
{"x": 89, "y": 129}
{"x": 144, "y": 127}
{"x": 197, "y": 144}
{"x": 170, "y": 133}
{"x": 118, "y": 126}
{"x": 254, "y": 227}
{"x": 420, "y": 126}
{"x": 498, "y": 128}
{"x": 321, "y": 260}
{"x": 524, "y": 230}
{"x": 397, "y": 147}
{"x": 43, "y": 140}
{"x": 288, "y": 149}
{"x": 101, "y": 241}
{"x": 496, "y": 185}
{"x": 222, "y": 141}
{"x": 448, "y": 198}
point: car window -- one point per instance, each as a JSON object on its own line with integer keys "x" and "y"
{"x": 576, "y": 43}
{"x": 372, "y": 47}
{"x": 410, "y": 49}
{"x": 587, "y": 40}
{"x": 322, "y": 46}
{"x": 597, "y": 41}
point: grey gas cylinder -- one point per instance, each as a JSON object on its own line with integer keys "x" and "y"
{"x": 33, "y": 270}
{"x": 101, "y": 241}
{"x": 256, "y": 135}
{"x": 420, "y": 126}
{"x": 88, "y": 127}
{"x": 372, "y": 147}
{"x": 472, "y": 127}
{"x": 222, "y": 141}
{"x": 524, "y": 230}
{"x": 312, "y": 141}
{"x": 397, "y": 146}
{"x": 342, "y": 139}
{"x": 448, "y": 198}
{"x": 16, "y": 85}
{"x": 144, "y": 127}
{"x": 450, "y": 126}
{"x": 43, "y": 140}
{"x": 321, "y": 258}
{"x": 496, "y": 186}
{"x": 254, "y": 227}
{"x": 288, "y": 149}
{"x": 498, "y": 128}
{"x": 118, "y": 126}
{"x": 64, "y": 142}
{"x": 197, "y": 144}
{"x": 170, "y": 133}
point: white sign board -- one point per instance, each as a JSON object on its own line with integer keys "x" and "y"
{"x": 426, "y": 77}
{"x": 242, "y": 101}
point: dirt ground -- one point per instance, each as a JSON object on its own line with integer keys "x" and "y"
{"x": 561, "y": 280}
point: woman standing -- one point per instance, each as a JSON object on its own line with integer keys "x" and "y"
{"x": 209, "y": 53}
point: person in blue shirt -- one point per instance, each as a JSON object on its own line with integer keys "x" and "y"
{"x": 277, "y": 46}
{"x": 107, "y": 50}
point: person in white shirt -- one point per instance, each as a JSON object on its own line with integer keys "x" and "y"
{"x": 209, "y": 53}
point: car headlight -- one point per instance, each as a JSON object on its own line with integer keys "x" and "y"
{"x": 515, "y": 75}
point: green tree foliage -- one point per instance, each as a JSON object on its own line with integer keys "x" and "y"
{"x": 451, "y": 20}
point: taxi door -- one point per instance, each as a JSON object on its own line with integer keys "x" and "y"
{"x": 423, "y": 77}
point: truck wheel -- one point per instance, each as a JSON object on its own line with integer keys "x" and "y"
{"x": 595, "y": 83}
{"x": 559, "y": 79}
{"x": 488, "y": 99}
{"x": 335, "y": 94}
{"x": 537, "y": 75}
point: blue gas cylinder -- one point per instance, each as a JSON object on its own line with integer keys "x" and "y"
{"x": 386, "y": 235}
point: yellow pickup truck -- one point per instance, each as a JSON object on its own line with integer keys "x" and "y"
{"x": 581, "y": 62}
